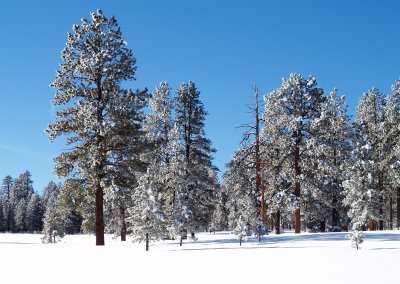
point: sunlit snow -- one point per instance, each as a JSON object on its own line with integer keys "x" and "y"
{"x": 288, "y": 258}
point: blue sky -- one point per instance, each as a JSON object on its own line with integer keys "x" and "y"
{"x": 223, "y": 46}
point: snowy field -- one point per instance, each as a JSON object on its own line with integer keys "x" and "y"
{"x": 288, "y": 258}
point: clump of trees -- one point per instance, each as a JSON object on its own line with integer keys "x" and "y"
{"x": 21, "y": 208}
{"x": 322, "y": 171}
{"x": 152, "y": 170}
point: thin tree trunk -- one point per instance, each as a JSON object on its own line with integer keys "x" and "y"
{"x": 297, "y": 170}
{"x": 391, "y": 212}
{"x": 398, "y": 207}
{"x": 147, "y": 241}
{"x": 335, "y": 214}
{"x": 123, "y": 224}
{"x": 262, "y": 194}
{"x": 381, "y": 202}
{"x": 99, "y": 216}
{"x": 278, "y": 222}
{"x": 323, "y": 226}
{"x": 272, "y": 222}
{"x": 257, "y": 147}
{"x": 181, "y": 241}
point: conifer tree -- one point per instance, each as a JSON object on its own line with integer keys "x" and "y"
{"x": 240, "y": 190}
{"x": 2, "y": 219}
{"x": 288, "y": 117}
{"x": 97, "y": 112}
{"x": 73, "y": 206}
{"x": 50, "y": 189}
{"x": 6, "y": 188}
{"x": 197, "y": 152}
{"x": 53, "y": 224}
{"x": 158, "y": 126}
{"x": 20, "y": 216}
{"x": 146, "y": 217}
{"x": 330, "y": 149}
{"x": 368, "y": 175}
{"x": 392, "y": 160}
{"x": 34, "y": 214}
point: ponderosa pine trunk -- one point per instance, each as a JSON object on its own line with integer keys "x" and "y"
{"x": 99, "y": 216}
{"x": 100, "y": 148}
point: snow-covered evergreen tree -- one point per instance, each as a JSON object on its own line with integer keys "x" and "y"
{"x": 50, "y": 189}
{"x": 260, "y": 229}
{"x": 240, "y": 231}
{"x": 290, "y": 112}
{"x": 71, "y": 197}
{"x": 221, "y": 213}
{"x": 3, "y": 223}
{"x": 240, "y": 190}
{"x": 97, "y": 114}
{"x": 22, "y": 187}
{"x": 20, "y": 216}
{"x": 330, "y": 148}
{"x": 392, "y": 154}
{"x": 21, "y": 192}
{"x": 158, "y": 126}
{"x": 200, "y": 173}
{"x": 6, "y": 187}
{"x": 53, "y": 224}
{"x": 357, "y": 238}
{"x": 146, "y": 217}
{"x": 178, "y": 210}
{"x": 34, "y": 214}
{"x": 8, "y": 214}
{"x": 367, "y": 181}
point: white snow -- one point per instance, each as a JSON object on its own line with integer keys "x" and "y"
{"x": 288, "y": 258}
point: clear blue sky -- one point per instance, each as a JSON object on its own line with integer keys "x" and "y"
{"x": 223, "y": 46}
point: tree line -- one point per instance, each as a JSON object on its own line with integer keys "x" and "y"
{"x": 318, "y": 169}
{"x": 139, "y": 162}
{"x": 21, "y": 208}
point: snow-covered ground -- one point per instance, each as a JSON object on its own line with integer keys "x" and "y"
{"x": 288, "y": 258}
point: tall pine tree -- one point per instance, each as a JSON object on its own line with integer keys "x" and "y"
{"x": 200, "y": 174}
{"x": 288, "y": 118}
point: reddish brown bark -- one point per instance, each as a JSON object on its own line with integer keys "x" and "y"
{"x": 99, "y": 216}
